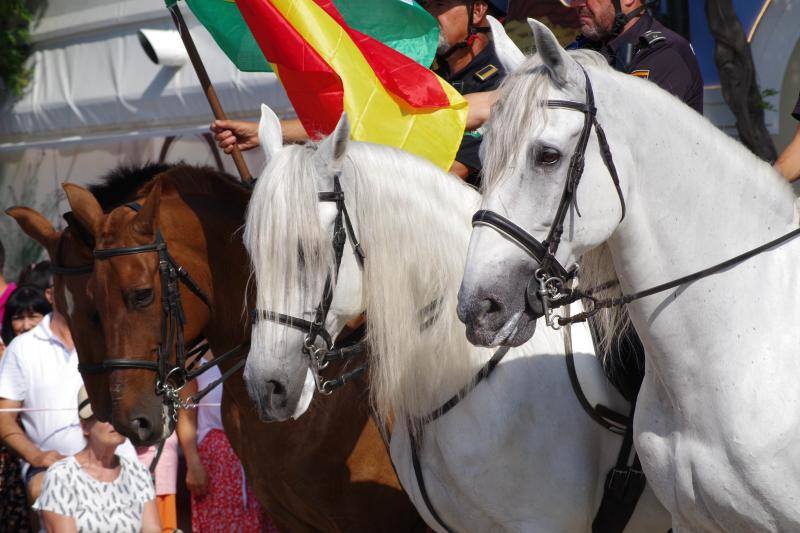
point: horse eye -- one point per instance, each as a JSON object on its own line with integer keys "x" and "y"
{"x": 140, "y": 298}
{"x": 95, "y": 318}
{"x": 548, "y": 156}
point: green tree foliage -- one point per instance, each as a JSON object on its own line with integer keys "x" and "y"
{"x": 15, "y": 19}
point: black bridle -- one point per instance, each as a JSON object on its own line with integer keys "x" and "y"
{"x": 170, "y": 378}
{"x": 550, "y": 288}
{"x": 321, "y": 357}
{"x": 552, "y": 277}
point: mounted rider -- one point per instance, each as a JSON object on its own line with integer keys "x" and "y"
{"x": 466, "y": 58}
{"x": 634, "y": 42}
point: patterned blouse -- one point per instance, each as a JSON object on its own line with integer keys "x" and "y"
{"x": 97, "y": 505}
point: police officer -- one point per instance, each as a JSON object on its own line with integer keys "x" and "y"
{"x": 466, "y": 58}
{"x": 635, "y": 43}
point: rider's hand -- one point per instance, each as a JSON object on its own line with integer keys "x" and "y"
{"x": 230, "y": 133}
{"x": 45, "y": 459}
{"x": 196, "y": 478}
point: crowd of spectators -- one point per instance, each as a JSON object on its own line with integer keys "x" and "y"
{"x": 62, "y": 469}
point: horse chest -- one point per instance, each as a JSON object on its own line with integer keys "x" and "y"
{"x": 486, "y": 464}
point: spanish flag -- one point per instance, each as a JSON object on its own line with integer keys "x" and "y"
{"x": 328, "y": 67}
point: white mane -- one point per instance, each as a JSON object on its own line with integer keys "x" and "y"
{"x": 413, "y": 221}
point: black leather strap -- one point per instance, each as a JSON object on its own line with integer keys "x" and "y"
{"x": 606, "y": 417}
{"x": 105, "y": 253}
{"x": 117, "y": 364}
{"x": 421, "y": 484}
{"x": 291, "y": 321}
{"x": 524, "y": 240}
{"x": 485, "y": 371}
{"x": 71, "y": 271}
{"x": 623, "y": 488}
{"x": 628, "y": 298}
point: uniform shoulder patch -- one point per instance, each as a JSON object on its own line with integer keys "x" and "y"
{"x": 651, "y": 37}
{"x": 641, "y": 73}
{"x": 486, "y": 72}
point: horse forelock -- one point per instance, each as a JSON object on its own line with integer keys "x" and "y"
{"x": 290, "y": 253}
{"x": 413, "y": 221}
{"x": 520, "y": 114}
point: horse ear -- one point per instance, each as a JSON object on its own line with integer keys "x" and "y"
{"x": 146, "y": 220}
{"x": 35, "y": 225}
{"x": 78, "y": 229}
{"x": 555, "y": 58}
{"x": 507, "y": 52}
{"x": 85, "y": 207}
{"x": 332, "y": 150}
{"x": 269, "y": 132}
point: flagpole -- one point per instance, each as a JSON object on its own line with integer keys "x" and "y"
{"x": 205, "y": 82}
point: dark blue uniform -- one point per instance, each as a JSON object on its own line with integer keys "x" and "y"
{"x": 652, "y": 51}
{"x": 483, "y": 73}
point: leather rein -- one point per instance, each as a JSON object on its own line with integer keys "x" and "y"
{"x": 550, "y": 288}
{"x": 171, "y": 378}
{"x": 322, "y": 356}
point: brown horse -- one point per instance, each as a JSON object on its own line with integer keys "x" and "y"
{"x": 71, "y": 256}
{"x": 328, "y": 471}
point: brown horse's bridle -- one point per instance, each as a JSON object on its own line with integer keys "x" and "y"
{"x": 171, "y": 378}
{"x": 321, "y": 357}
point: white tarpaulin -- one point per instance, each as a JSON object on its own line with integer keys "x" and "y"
{"x": 96, "y": 101}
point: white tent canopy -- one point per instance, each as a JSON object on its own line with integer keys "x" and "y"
{"x": 92, "y": 78}
{"x": 96, "y": 101}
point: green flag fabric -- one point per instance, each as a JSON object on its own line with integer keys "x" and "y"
{"x": 400, "y": 24}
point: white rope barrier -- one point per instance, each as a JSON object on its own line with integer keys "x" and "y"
{"x": 45, "y": 409}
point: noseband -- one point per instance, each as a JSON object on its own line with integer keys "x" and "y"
{"x": 321, "y": 357}
{"x": 551, "y": 276}
{"x": 170, "y": 378}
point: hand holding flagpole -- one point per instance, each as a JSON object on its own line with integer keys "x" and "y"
{"x": 205, "y": 82}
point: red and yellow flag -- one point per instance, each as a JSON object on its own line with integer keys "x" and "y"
{"x": 327, "y": 67}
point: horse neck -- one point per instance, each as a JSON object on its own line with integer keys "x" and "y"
{"x": 697, "y": 198}
{"x": 414, "y": 224}
{"x": 218, "y": 250}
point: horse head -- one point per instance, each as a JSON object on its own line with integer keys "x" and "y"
{"x": 289, "y": 235}
{"x": 541, "y": 133}
{"x": 127, "y": 292}
{"x": 70, "y": 253}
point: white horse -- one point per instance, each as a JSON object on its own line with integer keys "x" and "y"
{"x": 718, "y": 416}
{"x": 517, "y": 453}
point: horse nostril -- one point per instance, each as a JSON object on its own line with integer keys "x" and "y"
{"x": 277, "y": 388}
{"x": 142, "y": 427}
{"x": 489, "y": 306}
